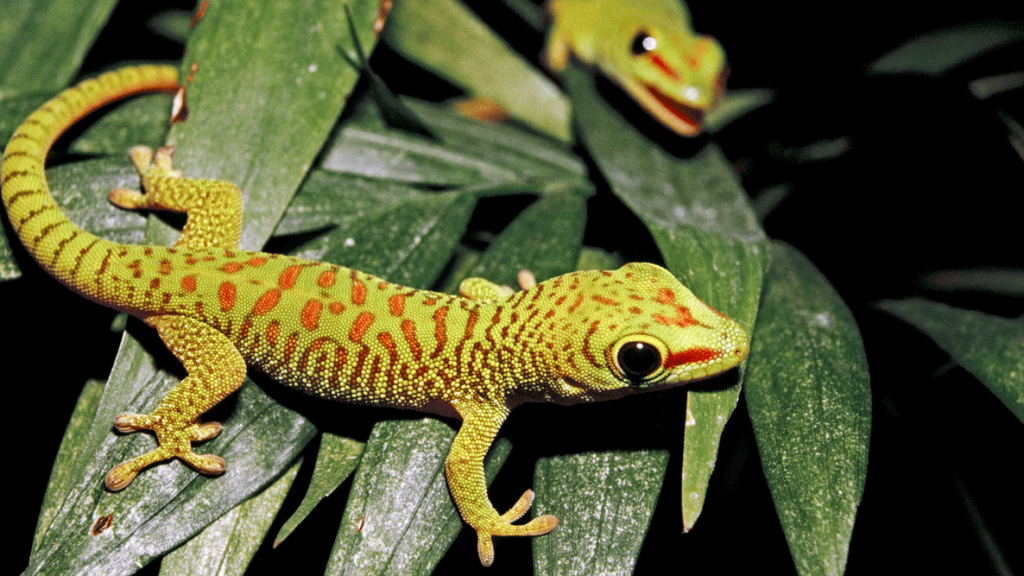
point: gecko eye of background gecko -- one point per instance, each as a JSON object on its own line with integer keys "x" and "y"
{"x": 638, "y": 360}
{"x": 642, "y": 43}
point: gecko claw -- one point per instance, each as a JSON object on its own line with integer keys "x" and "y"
{"x": 503, "y": 527}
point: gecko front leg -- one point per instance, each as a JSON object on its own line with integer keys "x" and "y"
{"x": 465, "y": 472}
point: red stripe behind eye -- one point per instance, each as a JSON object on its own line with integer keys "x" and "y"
{"x": 663, "y": 65}
{"x": 691, "y": 355}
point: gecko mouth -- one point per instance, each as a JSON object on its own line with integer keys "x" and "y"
{"x": 682, "y": 118}
{"x": 686, "y": 120}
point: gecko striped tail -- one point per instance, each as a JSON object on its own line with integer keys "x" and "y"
{"x": 63, "y": 249}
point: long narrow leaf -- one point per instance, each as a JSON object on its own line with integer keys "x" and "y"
{"x": 399, "y": 518}
{"x": 990, "y": 347}
{"x": 808, "y": 396}
{"x": 478, "y": 60}
{"x": 227, "y": 546}
{"x": 69, "y": 27}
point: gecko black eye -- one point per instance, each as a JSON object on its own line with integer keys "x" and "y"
{"x": 637, "y": 360}
{"x": 642, "y": 43}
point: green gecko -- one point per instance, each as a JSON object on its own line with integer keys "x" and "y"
{"x": 649, "y": 48}
{"x": 343, "y": 334}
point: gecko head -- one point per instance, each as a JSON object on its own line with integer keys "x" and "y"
{"x": 672, "y": 72}
{"x": 637, "y": 329}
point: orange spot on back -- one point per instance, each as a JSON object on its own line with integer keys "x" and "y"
{"x": 188, "y": 283}
{"x": 602, "y": 300}
{"x": 226, "y": 295}
{"x": 358, "y": 292}
{"x": 266, "y": 302}
{"x": 232, "y": 267}
{"x": 336, "y": 308}
{"x": 256, "y": 261}
{"x": 388, "y": 343}
{"x": 311, "y": 314}
{"x": 326, "y": 279}
{"x": 360, "y": 326}
{"x": 397, "y": 304}
{"x": 288, "y": 277}
{"x": 165, "y": 266}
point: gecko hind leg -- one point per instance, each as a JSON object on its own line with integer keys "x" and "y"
{"x": 214, "y": 207}
{"x": 215, "y": 370}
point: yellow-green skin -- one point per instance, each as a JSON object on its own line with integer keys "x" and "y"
{"x": 649, "y": 48}
{"x": 343, "y": 334}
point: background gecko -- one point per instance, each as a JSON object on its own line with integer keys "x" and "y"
{"x": 649, "y": 48}
{"x": 345, "y": 335}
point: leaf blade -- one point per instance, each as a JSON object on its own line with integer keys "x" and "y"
{"x": 809, "y": 399}
{"x": 989, "y": 347}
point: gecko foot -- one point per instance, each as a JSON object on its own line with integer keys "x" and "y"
{"x": 503, "y": 527}
{"x": 173, "y": 443}
{"x": 149, "y": 165}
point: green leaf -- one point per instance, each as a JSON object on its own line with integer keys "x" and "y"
{"x": 71, "y": 448}
{"x": 166, "y": 504}
{"x": 544, "y": 239}
{"x": 479, "y": 61}
{"x": 265, "y": 97}
{"x": 467, "y": 153}
{"x": 399, "y": 518}
{"x": 334, "y": 200}
{"x": 809, "y": 399}
{"x": 409, "y": 244}
{"x": 227, "y": 546}
{"x": 15, "y": 107}
{"x": 989, "y": 347}
{"x": 706, "y": 231}
{"x": 706, "y": 415}
{"x": 737, "y": 103}
{"x": 938, "y": 51}
{"x": 603, "y": 502}
{"x": 595, "y": 259}
{"x": 139, "y": 121}
{"x": 337, "y": 459}
{"x": 69, "y": 28}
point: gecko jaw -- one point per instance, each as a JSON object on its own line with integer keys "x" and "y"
{"x": 684, "y": 119}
